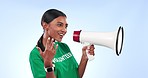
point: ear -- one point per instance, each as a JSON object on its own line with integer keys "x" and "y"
{"x": 44, "y": 25}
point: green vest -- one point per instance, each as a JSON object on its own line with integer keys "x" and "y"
{"x": 65, "y": 63}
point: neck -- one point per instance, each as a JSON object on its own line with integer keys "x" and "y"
{"x": 44, "y": 39}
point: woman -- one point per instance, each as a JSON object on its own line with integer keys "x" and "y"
{"x": 51, "y": 58}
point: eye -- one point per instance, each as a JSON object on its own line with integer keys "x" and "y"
{"x": 66, "y": 26}
{"x": 59, "y": 24}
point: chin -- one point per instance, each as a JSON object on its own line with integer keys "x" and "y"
{"x": 59, "y": 40}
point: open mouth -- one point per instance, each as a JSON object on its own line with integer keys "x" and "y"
{"x": 61, "y": 35}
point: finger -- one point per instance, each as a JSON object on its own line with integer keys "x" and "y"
{"x": 39, "y": 49}
{"x": 91, "y": 50}
{"x": 91, "y": 53}
{"x": 92, "y": 47}
{"x": 84, "y": 48}
{"x": 41, "y": 53}
{"x": 52, "y": 42}
{"x": 88, "y": 47}
{"x": 47, "y": 43}
{"x": 56, "y": 47}
{"x": 52, "y": 46}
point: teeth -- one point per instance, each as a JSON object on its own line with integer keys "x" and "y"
{"x": 61, "y": 34}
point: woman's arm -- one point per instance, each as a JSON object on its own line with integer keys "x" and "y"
{"x": 48, "y": 55}
{"x": 84, "y": 59}
{"x": 82, "y": 66}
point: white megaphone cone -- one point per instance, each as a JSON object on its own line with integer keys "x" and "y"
{"x": 113, "y": 40}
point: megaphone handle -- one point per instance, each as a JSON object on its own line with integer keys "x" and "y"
{"x": 90, "y": 57}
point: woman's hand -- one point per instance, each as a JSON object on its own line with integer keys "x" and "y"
{"x": 89, "y": 49}
{"x": 84, "y": 59}
{"x": 49, "y": 52}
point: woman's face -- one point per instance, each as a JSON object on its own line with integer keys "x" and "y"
{"x": 57, "y": 28}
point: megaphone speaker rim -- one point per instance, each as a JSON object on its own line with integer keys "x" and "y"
{"x": 120, "y": 30}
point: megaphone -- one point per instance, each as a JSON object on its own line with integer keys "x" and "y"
{"x": 113, "y": 40}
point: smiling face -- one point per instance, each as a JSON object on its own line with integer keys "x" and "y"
{"x": 57, "y": 28}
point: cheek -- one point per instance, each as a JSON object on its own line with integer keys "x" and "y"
{"x": 65, "y": 32}
{"x": 52, "y": 32}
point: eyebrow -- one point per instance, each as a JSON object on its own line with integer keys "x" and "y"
{"x": 62, "y": 23}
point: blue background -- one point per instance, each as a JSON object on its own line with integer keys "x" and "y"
{"x": 20, "y": 29}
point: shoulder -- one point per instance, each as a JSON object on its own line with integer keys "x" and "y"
{"x": 34, "y": 51}
{"x": 64, "y": 45}
{"x": 34, "y": 54}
